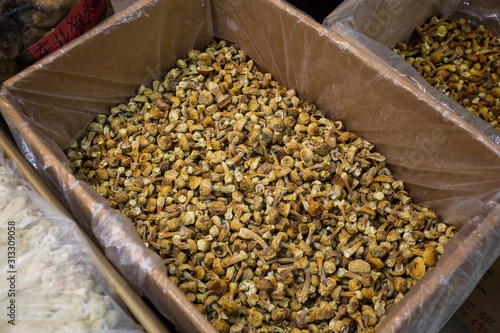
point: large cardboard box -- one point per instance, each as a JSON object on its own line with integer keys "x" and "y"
{"x": 379, "y": 25}
{"x": 481, "y": 310}
{"x": 446, "y": 163}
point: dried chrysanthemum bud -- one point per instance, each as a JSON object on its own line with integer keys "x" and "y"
{"x": 416, "y": 268}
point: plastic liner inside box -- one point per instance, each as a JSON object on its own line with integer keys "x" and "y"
{"x": 447, "y": 163}
{"x": 381, "y": 24}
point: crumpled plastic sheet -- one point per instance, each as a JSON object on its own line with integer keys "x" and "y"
{"x": 25, "y": 23}
{"x": 447, "y": 163}
{"x": 51, "y": 281}
{"x": 378, "y": 25}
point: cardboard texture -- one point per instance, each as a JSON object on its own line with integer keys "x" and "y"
{"x": 447, "y": 163}
{"x": 380, "y": 24}
{"x": 480, "y": 310}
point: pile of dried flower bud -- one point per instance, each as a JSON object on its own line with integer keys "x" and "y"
{"x": 459, "y": 61}
{"x": 269, "y": 216}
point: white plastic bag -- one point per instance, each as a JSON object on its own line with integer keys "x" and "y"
{"x": 49, "y": 281}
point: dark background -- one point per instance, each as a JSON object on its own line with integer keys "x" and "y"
{"x": 317, "y": 9}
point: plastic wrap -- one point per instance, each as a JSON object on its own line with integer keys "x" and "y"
{"x": 380, "y": 25}
{"x": 50, "y": 279}
{"x": 30, "y": 29}
{"x": 447, "y": 163}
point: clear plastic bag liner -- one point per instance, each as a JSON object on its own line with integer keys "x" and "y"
{"x": 381, "y": 24}
{"x": 52, "y": 280}
{"x": 390, "y": 22}
{"x": 447, "y": 163}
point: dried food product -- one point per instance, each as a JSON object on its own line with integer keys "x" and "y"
{"x": 49, "y": 281}
{"x": 460, "y": 61}
{"x": 268, "y": 215}
{"x": 31, "y": 29}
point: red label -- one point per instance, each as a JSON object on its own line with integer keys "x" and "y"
{"x": 84, "y": 15}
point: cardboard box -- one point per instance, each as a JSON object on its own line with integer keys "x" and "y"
{"x": 379, "y": 25}
{"x": 481, "y": 310}
{"x": 446, "y": 163}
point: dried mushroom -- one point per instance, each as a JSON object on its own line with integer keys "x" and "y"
{"x": 267, "y": 214}
{"x": 31, "y": 29}
{"x": 459, "y": 61}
